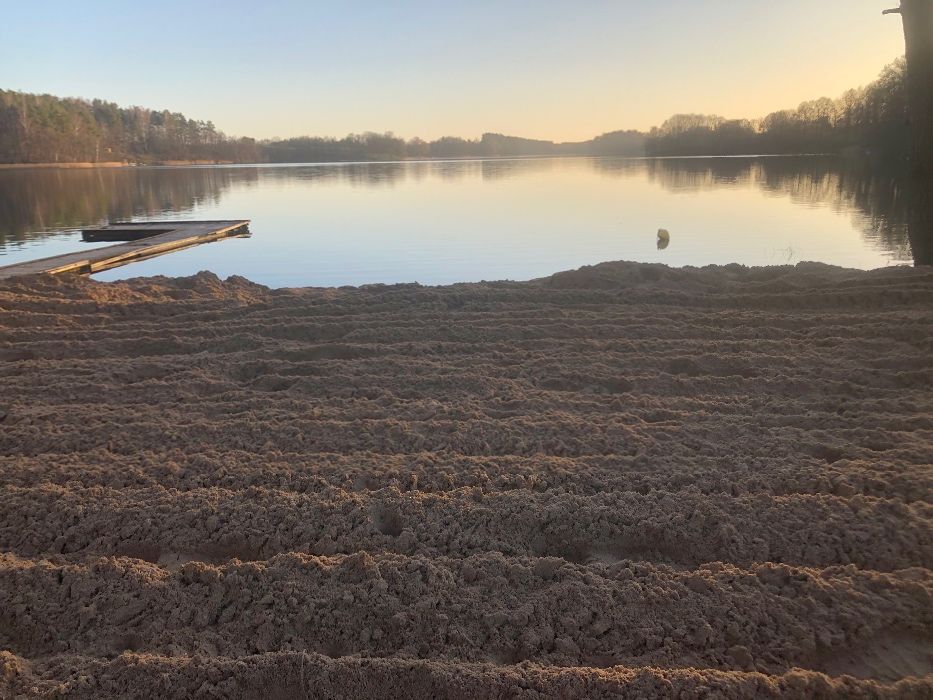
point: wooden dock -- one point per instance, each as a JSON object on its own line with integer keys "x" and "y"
{"x": 140, "y": 241}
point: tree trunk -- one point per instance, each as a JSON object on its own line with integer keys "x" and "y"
{"x": 918, "y": 34}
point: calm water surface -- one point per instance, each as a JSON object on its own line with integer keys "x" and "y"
{"x": 442, "y": 222}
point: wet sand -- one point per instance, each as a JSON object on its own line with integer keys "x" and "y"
{"x": 623, "y": 481}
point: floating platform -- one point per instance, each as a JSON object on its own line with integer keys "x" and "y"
{"x": 140, "y": 241}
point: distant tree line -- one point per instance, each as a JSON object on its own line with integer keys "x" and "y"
{"x": 47, "y": 129}
{"x": 869, "y": 119}
{"x": 372, "y": 146}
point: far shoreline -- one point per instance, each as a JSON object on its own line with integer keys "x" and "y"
{"x": 107, "y": 164}
{"x": 115, "y": 165}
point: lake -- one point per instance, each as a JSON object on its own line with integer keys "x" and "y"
{"x": 439, "y": 222}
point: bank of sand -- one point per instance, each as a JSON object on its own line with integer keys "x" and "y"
{"x": 624, "y": 481}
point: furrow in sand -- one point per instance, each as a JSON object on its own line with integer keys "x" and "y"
{"x": 816, "y": 469}
{"x": 523, "y": 378}
{"x": 553, "y": 433}
{"x": 486, "y": 608}
{"x": 709, "y": 333}
{"x": 681, "y": 528}
{"x": 286, "y": 675}
{"x": 627, "y": 318}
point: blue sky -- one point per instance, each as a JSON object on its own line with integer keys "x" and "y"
{"x": 549, "y": 69}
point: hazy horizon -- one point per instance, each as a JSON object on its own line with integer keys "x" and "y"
{"x": 557, "y": 73}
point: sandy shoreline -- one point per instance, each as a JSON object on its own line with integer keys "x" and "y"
{"x": 622, "y": 481}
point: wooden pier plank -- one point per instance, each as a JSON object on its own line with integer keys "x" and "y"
{"x": 180, "y": 234}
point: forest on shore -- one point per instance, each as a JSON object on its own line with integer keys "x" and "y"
{"x": 49, "y": 129}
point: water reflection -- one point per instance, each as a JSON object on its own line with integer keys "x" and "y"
{"x": 877, "y": 195}
{"x": 38, "y": 203}
{"x": 921, "y": 221}
{"x": 35, "y": 204}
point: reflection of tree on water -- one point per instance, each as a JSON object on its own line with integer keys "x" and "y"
{"x": 921, "y": 221}
{"x": 886, "y": 209}
{"x": 34, "y": 201}
{"x": 876, "y": 193}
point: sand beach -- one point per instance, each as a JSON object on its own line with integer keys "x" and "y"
{"x": 626, "y": 480}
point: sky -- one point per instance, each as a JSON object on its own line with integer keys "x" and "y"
{"x": 550, "y": 69}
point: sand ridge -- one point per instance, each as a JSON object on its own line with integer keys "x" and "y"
{"x": 625, "y": 480}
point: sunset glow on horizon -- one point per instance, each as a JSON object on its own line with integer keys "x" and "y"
{"x": 556, "y": 70}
